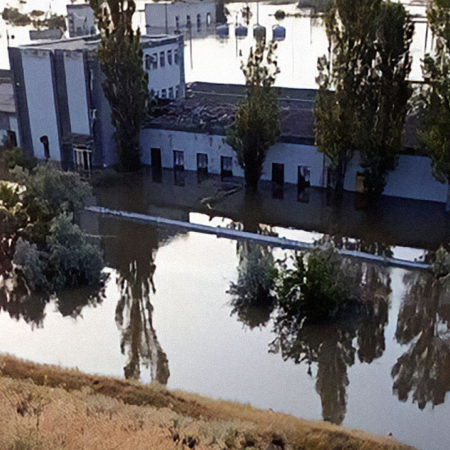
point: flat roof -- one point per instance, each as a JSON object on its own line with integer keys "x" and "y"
{"x": 91, "y": 42}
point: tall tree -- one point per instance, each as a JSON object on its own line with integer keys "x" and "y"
{"x": 386, "y": 97}
{"x": 363, "y": 88}
{"x": 125, "y": 83}
{"x": 435, "y": 98}
{"x": 350, "y": 28}
{"x": 256, "y": 125}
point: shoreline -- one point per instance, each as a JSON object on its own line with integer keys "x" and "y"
{"x": 52, "y": 408}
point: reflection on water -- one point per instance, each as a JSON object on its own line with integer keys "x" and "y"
{"x": 423, "y": 322}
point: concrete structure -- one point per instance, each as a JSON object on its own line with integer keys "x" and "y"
{"x": 194, "y": 139}
{"x": 80, "y": 20}
{"x": 9, "y": 128}
{"x": 196, "y": 16}
{"x": 63, "y": 113}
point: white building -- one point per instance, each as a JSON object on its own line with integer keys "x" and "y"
{"x": 9, "y": 128}
{"x": 62, "y": 111}
{"x": 197, "y": 16}
{"x": 81, "y": 21}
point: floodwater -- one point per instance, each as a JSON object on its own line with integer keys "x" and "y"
{"x": 297, "y": 54}
{"x": 164, "y": 313}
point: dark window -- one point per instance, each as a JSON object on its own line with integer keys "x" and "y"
{"x": 199, "y": 22}
{"x": 169, "y": 57}
{"x": 277, "y": 180}
{"x": 177, "y": 92}
{"x": 156, "y": 157}
{"x": 171, "y": 92}
{"x": 178, "y": 160}
{"x": 208, "y": 19}
{"x": 226, "y": 166}
{"x": 163, "y": 93}
{"x": 162, "y": 59}
{"x": 154, "y": 61}
{"x": 177, "y": 22}
{"x": 202, "y": 162}
{"x": 148, "y": 62}
{"x": 45, "y": 143}
{"x": 188, "y": 21}
{"x": 176, "y": 58}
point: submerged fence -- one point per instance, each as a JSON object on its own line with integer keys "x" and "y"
{"x": 272, "y": 241}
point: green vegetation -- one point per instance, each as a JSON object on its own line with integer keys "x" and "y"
{"x": 38, "y": 231}
{"x": 363, "y": 89}
{"x": 256, "y": 124}
{"x": 125, "y": 83}
{"x": 435, "y": 98}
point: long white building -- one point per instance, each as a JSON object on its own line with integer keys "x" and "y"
{"x": 62, "y": 111}
{"x": 195, "y": 16}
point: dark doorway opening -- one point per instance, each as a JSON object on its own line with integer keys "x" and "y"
{"x": 226, "y": 167}
{"x": 156, "y": 165}
{"x": 45, "y": 143}
{"x": 277, "y": 180}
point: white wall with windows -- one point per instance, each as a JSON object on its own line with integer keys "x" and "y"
{"x": 179, "y": 16}
{"x": 299, "y": 164}
{"x": 37, "y": 67}
{"x": 163, "y": 63}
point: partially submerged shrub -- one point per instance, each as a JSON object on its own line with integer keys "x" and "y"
{"x": 441, "y": 265}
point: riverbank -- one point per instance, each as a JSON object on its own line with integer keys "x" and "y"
{"x": 47, "y": 407}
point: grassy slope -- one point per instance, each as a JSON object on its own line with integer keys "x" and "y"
{"x": 46, "y": 407}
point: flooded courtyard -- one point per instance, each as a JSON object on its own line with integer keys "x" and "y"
{"x": 166, "y": 313}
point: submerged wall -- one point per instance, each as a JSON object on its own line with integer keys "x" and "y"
{"x": 412, "y": 178}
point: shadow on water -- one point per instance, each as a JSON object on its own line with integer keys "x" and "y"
{"x": 423, "y": 371}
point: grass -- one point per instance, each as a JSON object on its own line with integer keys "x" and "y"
{"x": 47, "y": 407}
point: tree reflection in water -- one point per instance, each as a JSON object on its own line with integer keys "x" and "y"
{"x": 132, "y": 254}
{"x": 329, "y": 344}
{"x": 17, "y": 300}
{"x": 423, "y": 322}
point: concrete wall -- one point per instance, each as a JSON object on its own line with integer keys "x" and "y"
{"x": 38, "y": 74}
{"x": 156, "y": 15}
{"x": 169, "y": 76}
{"x": 291, "y": 155}
{"x": 77, "y": 93}
{"x": 412, "y": 179}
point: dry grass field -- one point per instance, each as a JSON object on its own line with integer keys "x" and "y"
{"x": 48, "y": 408}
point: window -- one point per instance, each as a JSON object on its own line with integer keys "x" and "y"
{"x": 277, "y": 180}
{"x": 202, "y": 162}
{"x": 162, "y": 59}
{"x": 178, "y": 160}
{"x": 177, "y": 92}
{"x": 148, "y": 62}
{"x": 154, "y": 61}
{"x": 208, "y": 20}
{"x": 304, "y": 177}
{"x": 171, "y": 92}
{"x": 199, "y": 22}
{"x": 169, "y": 57}
{"x": 226, "y": 166}
{"x": 188, "y": 22}
{"x": 83, "y": 158}
{"x": 177, "y": 22}
{"x": 163, "y": 93}
{"x": 45, "y": 143}
{"x": 175, "y": 57}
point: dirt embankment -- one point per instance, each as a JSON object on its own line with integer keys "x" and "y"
{"x": 48, "y": 408}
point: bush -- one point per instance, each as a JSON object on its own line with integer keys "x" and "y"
{"x": 280, "y": 14}
{"x": 15, "y": 157}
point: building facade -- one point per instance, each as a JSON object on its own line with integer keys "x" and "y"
{"x": 194, "y": 16}
{"x": 80, "y": 20}
{"x": 63, "y": 113}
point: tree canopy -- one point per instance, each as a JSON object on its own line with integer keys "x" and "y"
{"x": 256, "y": 124}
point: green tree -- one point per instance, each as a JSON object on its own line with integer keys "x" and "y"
{"x": 350, "y": 28}
{"x": 386, "y": 97}
{"x": 435, "y": 98}
{"x": 256, "y": 124}
{"x": 125, "y": 82}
